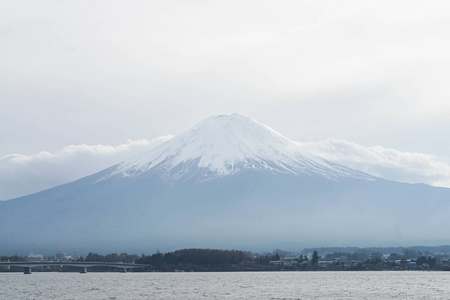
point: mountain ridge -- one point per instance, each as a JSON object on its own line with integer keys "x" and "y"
{"x": 268, "y": 202}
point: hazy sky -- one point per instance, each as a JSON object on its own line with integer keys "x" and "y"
{"x": 85, "y": 84}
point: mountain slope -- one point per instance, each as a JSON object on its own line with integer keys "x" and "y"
{"x": 229, "y": 182}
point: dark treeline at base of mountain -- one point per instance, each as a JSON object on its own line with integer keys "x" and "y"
{"x": 203, "y": 260}
{"x": 199, "y": 260}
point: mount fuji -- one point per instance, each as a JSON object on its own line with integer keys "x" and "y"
{"x": 228, "y": 182}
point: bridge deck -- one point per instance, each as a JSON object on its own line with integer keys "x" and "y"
{"x": 81, "y": 264}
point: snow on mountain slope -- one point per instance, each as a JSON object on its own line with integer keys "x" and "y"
{"x": 226, "y": 144}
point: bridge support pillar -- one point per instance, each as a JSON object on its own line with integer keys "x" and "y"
{"x": 123, "y": 270}
{"x": 83, "y": 270}
{"x": 27, "y": 270}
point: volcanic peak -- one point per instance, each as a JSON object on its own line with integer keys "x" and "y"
{"x": 226, "y": 144}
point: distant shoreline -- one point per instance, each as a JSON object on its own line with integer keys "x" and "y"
{"x": 213, "y": 260}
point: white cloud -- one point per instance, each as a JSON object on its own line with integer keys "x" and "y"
{"x": 411, "y": 167}
{"x": 25, "y": 174}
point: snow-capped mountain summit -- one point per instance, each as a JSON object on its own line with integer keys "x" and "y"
{"x": 227, "y": 144}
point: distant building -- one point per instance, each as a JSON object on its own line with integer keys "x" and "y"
{"x": 35, "y": 257}
{"x": 60, "y": 256}
{"x": 323, "y": 264}
{"x": 412, "y": 265}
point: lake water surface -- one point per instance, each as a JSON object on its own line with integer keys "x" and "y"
{"x": 251, "y": 285}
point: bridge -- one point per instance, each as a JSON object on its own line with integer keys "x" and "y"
{"x": 27, "y": 265}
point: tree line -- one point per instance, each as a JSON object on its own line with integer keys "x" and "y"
{"x": 197, "y": 260}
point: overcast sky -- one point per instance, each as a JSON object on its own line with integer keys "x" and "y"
{"x": 86, "y": 84}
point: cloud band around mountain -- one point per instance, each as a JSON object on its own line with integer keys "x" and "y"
{"x": 410, "y": 167}
{"x": 25, "y": 174}
{"x": 22, "y": 175}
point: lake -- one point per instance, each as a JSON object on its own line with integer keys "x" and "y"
{"x": 242, "y": 285}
